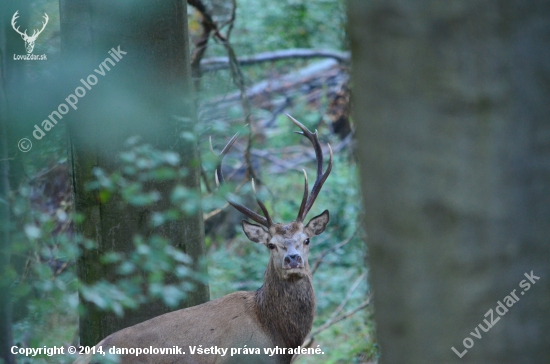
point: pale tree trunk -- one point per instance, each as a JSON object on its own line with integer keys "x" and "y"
{"x": 452, "y": 101}
{"x": 147, "y": 89}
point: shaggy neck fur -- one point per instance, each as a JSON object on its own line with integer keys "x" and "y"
{"x": 285, "y": 308}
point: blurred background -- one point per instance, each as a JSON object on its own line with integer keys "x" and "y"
{"x": 125, "y": 145}
{"x": 113, "y": 215}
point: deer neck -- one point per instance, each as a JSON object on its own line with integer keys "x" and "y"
{"x": 285, "y": 309}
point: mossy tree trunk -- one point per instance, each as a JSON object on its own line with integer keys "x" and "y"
{"x": 452, "y": 107}
{"x": 144, "y": 93}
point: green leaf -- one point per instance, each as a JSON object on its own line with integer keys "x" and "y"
{"x": 33, "y": 232}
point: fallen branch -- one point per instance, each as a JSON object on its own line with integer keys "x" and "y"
{"x": 219, "y": 63}
{"x": 272, "y": 86}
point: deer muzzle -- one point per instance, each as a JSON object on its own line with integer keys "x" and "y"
{"x": 293, "y": 261}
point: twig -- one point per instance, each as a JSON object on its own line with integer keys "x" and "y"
{"x": 330, "y": 250}
{"x": 309, "y": 340}
{"x": 198, "y": 4}
{"x": 238, "y": 79}
{"x": 214, "y": 212}
{"x": 348, "y": 297}
{"x": 231, "y": 20}
{"x": 344, "y": 316}
{"x": 205, "y": 180}
{"x": 294, "y": 164}
{"x": 220, "y": 209}
{"x": 202, "y": 43}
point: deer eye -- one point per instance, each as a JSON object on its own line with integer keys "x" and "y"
{"x": 271, "y": 246}
{"x": 306, "y": 241}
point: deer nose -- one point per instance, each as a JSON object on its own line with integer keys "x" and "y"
{"x": 293, "y": 260}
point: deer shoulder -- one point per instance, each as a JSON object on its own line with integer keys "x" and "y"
{"x": 277, "y": 315}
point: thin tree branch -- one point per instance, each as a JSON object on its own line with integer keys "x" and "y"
{"x": 214, "y": 212}
{"x": 205, "y": 180}
{"x": 201, "y": 44}
{"x": 347, "y": 298}
{"x": 330, "y": 250}
{"x": 309, "y": 340}
{"x": 342, "y": 317}
{"x": 238, "y": 79}
{"x": 231, "y": 20}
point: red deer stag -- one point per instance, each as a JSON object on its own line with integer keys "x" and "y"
{"x": 279, "y": 314}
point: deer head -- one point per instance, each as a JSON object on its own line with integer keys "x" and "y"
{"x": 29, "y": 40}
{"x": 288, "y": 243}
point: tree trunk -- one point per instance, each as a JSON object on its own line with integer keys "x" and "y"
{"x": 451, "y": 104}
{"x": 143, "y": 92}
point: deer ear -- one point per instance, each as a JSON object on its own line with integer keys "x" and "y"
{"x": 318, "y": 224}
{"x": 254, "y": 232}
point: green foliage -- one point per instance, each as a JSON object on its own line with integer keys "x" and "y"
{"x": 43, "y": 276}
{"x": 289, "y": 24}
{"x": 45, "y": 245}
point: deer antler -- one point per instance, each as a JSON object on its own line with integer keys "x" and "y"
{"x": 43, "y": 26}
{"x": 13, "y": 19}
{"x": 24, "y": 34}
{"x": 265, "y": 221}
{"x": 307, "y": 202}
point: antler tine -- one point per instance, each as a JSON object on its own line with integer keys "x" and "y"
{"x": 321, "y": 177}
{"x": 319, "y": 182}
{"x": 313, "y": 138}
{"x": 13, "y": 19}
{"x": 262, "y": 206}
{"x": 265, "y": 221}
{"x": 219, "y": 175}
{"x": 304, "y": 199}
{"x": 44, "y": 23}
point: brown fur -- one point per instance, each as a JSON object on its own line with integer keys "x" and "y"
{"x": 285, "y": 309}
{"x": 280, "y": 313}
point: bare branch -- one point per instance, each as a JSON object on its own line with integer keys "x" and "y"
{"x": 309, "y": 340}
{"x": 272, "y": 86}
{"x": 342, "y": 317}
{"x": 330, "y": 250}
{"x": 238, "y": 80}
{"x": 214, "y": 212}
{"x": 348, "y": 297}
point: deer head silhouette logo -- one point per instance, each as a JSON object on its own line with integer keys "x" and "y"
{"x": 29, "y": 40}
